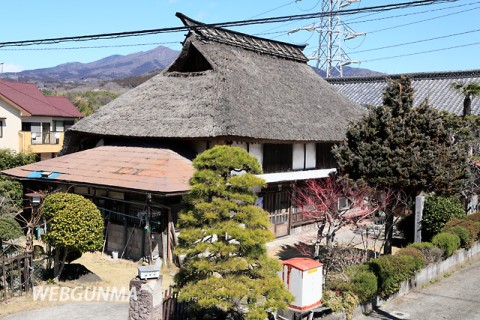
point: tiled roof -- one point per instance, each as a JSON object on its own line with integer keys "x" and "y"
{"x": 432, "y": 86}
{"x": 245, "y": 41}
{"x": 29, "y": 98}
{"x": 146, "y": 169}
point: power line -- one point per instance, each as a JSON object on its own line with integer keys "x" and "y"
{"x": 417, "y": 41}
{"x": 115, "y": 35}
{"x": 92, "y": 47}
{"x": 424, "y": 52}
{"x": 266, "y": 32}
{"x": 420, "y": 21}
{"x": 407, "y": 14}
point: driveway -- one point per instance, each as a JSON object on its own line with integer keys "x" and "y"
{"x": 76, "y": 311}
{"x": 452, "y": 297}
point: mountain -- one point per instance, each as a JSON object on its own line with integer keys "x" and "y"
{"x": 350, "y": 72}
{"x": 109, "y": 68}
{"x": 125, "y": 71}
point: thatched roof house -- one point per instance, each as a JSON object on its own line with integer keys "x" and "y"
{"x": 231, "y": 85}
{"x": 224, "y": 88}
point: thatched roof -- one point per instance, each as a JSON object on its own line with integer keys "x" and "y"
{"x": 228, "y": 84}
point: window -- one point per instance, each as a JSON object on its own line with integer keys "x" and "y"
{"x": 277, "y": 157}
{"x": 325, "y": 159}
{"x": 1, "y": 128}
{"x": 58, "y": 126}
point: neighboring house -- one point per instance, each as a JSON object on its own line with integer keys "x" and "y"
{"x": 224, "y": 88}
{"x": 31, "y": 121}
{"x": 434, "y": 86}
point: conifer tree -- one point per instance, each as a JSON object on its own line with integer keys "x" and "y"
{"x": 403, "y": 148}
{"x": 223, "y": 239}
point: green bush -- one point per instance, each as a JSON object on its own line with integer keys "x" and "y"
{"x": 9, "y": 229}
{"x": 364, "y": 285}
{"x": 421, "y": 246}
{"x": 346, "y": 301}
{"x": 447, "y": 242}
{"x": 437, "y": 211}
{"x": 472, "y": 227}
{"x": 466, "y": 239}
{"x": 391, "y": 271}
{"x": 417, "y": 255}
{"x": 431, "y": 253}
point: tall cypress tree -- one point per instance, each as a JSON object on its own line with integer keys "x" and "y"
{"x": 403, "y": 148}
{"x": 223, "y": 239}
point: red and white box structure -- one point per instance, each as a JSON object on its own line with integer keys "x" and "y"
{"x": 304, "y": 279}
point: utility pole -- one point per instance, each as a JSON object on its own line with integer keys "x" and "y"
{"x": 329, "y": 56}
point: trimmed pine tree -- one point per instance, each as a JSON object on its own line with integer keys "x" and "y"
{"x": 225, "y": 268}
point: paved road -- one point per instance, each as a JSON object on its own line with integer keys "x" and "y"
{"x": 76, "y": 311}
{"x": 456, "y": 297}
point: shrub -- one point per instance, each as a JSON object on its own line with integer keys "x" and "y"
{"x": 431, "y": 253}
{"x": 391, "y": 271}
{"x": 437, "y": 211}
{"x": 472, "y": 227}
{"x": 466, "y": 239}
{"x": 364, "y": 284}
{"x": 447, "y": 242}
{"x": 346, "y": 301}
{"x": 417, "y": 255}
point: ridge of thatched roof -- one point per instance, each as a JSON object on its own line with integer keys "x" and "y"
{"x": 248, "y": 42}
{"x": 217, "y": 89}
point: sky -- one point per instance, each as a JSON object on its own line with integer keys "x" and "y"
{"x": 439, "y": 37}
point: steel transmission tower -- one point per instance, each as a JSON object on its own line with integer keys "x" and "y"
{"x": 330, "y": 56}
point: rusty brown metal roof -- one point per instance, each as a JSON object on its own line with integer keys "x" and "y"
{"x": 145, "y": 169}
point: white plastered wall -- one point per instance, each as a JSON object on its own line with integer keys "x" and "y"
{"x": 11, "y": 125}
{"x": 304, "y": 156}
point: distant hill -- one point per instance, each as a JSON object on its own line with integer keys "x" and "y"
{"x": 118, "y": 72}
{"x": 351, "y": 72}
{"x": 109, "y": 68}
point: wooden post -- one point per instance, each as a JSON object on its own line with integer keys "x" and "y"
{"x": 20, "y": 273}
{"x": 4, "y": 279}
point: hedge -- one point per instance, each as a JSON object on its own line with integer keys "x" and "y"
{"x": 391, "y": 271}
{"x": 466, "y": 239}
{"x": 447, "y": 242}
{"x": 417, "y": 255}
{"x": 473, "y": 227}
{"x": 438, "y": 210}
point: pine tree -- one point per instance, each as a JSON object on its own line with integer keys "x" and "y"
{"x": 223, "y": 239}
{"x": 403, "y": 148}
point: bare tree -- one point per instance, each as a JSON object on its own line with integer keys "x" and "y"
{"x": 333, "y": 203}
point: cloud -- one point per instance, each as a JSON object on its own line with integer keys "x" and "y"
{"x": 8, "y": 67}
